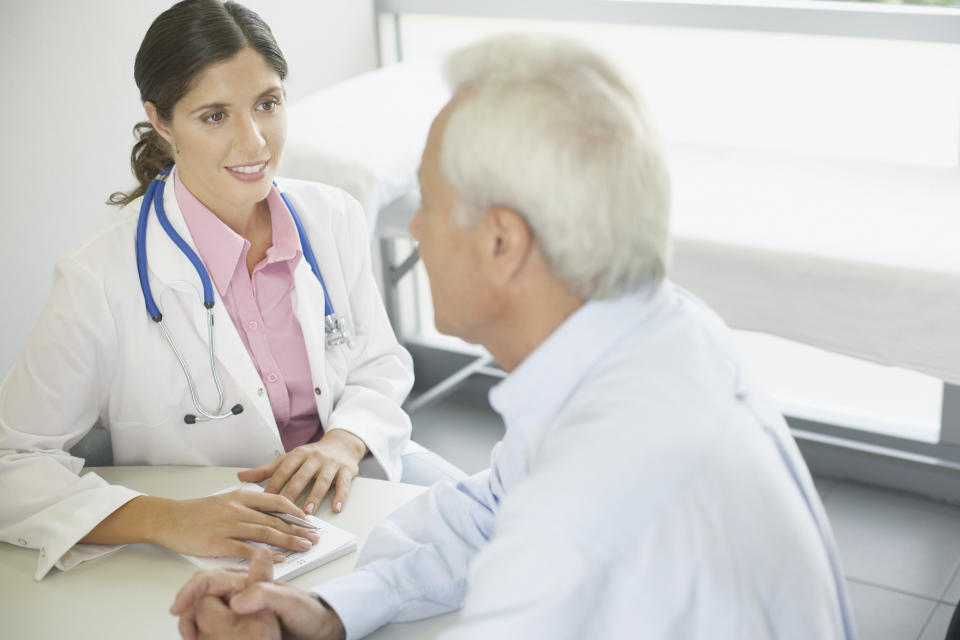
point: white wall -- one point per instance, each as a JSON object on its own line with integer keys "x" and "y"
{"x": 69, "y": 102}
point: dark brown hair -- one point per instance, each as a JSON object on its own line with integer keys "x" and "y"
{"x": 183, "y": 41}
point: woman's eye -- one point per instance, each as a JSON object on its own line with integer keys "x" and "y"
{"x": 269, "y": 105}
{"x": 215, "y": 117}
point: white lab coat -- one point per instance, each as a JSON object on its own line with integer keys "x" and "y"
{"x": 96, "y": 357}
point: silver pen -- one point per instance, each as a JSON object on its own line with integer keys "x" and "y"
{"x": 289, "y": 519}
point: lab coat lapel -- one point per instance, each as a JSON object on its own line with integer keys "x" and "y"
{"x": 171, "y": 269}
{"x": 308, "y": 306}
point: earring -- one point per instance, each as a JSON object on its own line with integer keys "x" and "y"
{"x": 176, "y": 149}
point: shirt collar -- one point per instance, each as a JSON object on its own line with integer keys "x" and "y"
{"x": 536, "y": 390}
{"x": 221, "y": 248}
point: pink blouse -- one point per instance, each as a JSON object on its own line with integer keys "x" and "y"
{"x": 260, "y": 307}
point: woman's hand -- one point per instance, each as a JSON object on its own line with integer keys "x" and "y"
{"x": 222, "y": 525}
{"x": 333, "y": 460}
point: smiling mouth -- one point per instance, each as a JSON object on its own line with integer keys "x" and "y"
{"x": 256, "y": 167}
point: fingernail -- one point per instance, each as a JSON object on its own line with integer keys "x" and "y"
{"x": 313, "y": 536}
{"x": 304, "y": 544}
{"x": 339, "y": 507}
{"x": 308, "y": 508}
{"x": 279, "y": 557}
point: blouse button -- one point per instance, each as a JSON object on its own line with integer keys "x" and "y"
{"x": 252, "y": 325}
{"x": 272, "y": 377}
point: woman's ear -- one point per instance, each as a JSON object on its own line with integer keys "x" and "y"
{"x": 154, "y": 118}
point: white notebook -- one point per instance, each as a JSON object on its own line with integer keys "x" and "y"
{"x": 334, "y": 542}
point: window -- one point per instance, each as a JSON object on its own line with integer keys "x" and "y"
{"x": 832, "y": 91}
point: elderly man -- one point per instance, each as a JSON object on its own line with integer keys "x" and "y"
{"x": 645, "y": 487}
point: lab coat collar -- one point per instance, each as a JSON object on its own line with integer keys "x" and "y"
{"x": 536, "y": 390}
{"x": 308, "y": 307}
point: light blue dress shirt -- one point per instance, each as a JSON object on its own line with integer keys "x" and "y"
{"x": 644, "y": 489}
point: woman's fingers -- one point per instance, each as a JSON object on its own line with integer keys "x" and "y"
{"x": 288, "y": 465}
{"x": 260, "y": 473}
{"x": 269, "y": 502}
{"x": 320, "y": 487}
{"x": 269, "y": 535}
{"x": 333, "y": 458}
{"x": 343, "y": 489}
{"x": 301, "y": 478}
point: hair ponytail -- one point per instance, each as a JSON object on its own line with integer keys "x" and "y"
{"x": 150, "y": 155}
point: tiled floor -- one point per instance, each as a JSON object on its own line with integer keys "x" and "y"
{"x": 901, "y": 553}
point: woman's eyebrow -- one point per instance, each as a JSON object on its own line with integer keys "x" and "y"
{"x": 221, "y": 105}
{"x": 211, "y": 105}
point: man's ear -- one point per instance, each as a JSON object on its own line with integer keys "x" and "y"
{"x": 161, "y": 128}
{"x": 510, "y": 241}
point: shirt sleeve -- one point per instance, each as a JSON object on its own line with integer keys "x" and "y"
{"x": 527, "y": 574}
{"x": 536, "y": 578}
{"x": 415, "y": 563}
{"x": 381, "y": 375}
{"x": 49, "y": 400}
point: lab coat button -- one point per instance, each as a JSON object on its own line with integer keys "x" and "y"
{"x": 260, "y": 391}
{"x": 22, "y": 542}
{"x": 317, "y": 391}
{"x": 277, "y": 453}
{"x": 43, "y": 552}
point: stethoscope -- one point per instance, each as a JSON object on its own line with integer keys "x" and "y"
{"x": 335, "y": 326}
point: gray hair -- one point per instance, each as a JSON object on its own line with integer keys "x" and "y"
{"x": 549, "y": 129}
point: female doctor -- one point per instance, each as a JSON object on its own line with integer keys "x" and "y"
{"x": 219, "y": 319}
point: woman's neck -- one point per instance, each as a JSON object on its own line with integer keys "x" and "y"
{"x": 249, "y": 224}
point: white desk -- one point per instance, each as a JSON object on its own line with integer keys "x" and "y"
{"x": 126, "y": 594}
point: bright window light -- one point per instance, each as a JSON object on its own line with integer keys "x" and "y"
{"x": 861, "y": 98}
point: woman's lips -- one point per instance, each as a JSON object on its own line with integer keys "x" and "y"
{"x": 249, "y": 172}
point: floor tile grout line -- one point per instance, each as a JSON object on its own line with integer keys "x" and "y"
{"x": 867, "y": 583}
{"x": 909, "y": 500}
{"x": 953, "y": 576}
{"x": 926, "y": 624}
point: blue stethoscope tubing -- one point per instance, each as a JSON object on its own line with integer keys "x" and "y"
{"x": 335, "y": 328}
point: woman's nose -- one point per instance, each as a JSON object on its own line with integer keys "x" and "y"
{"x": 250, "y": 138}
